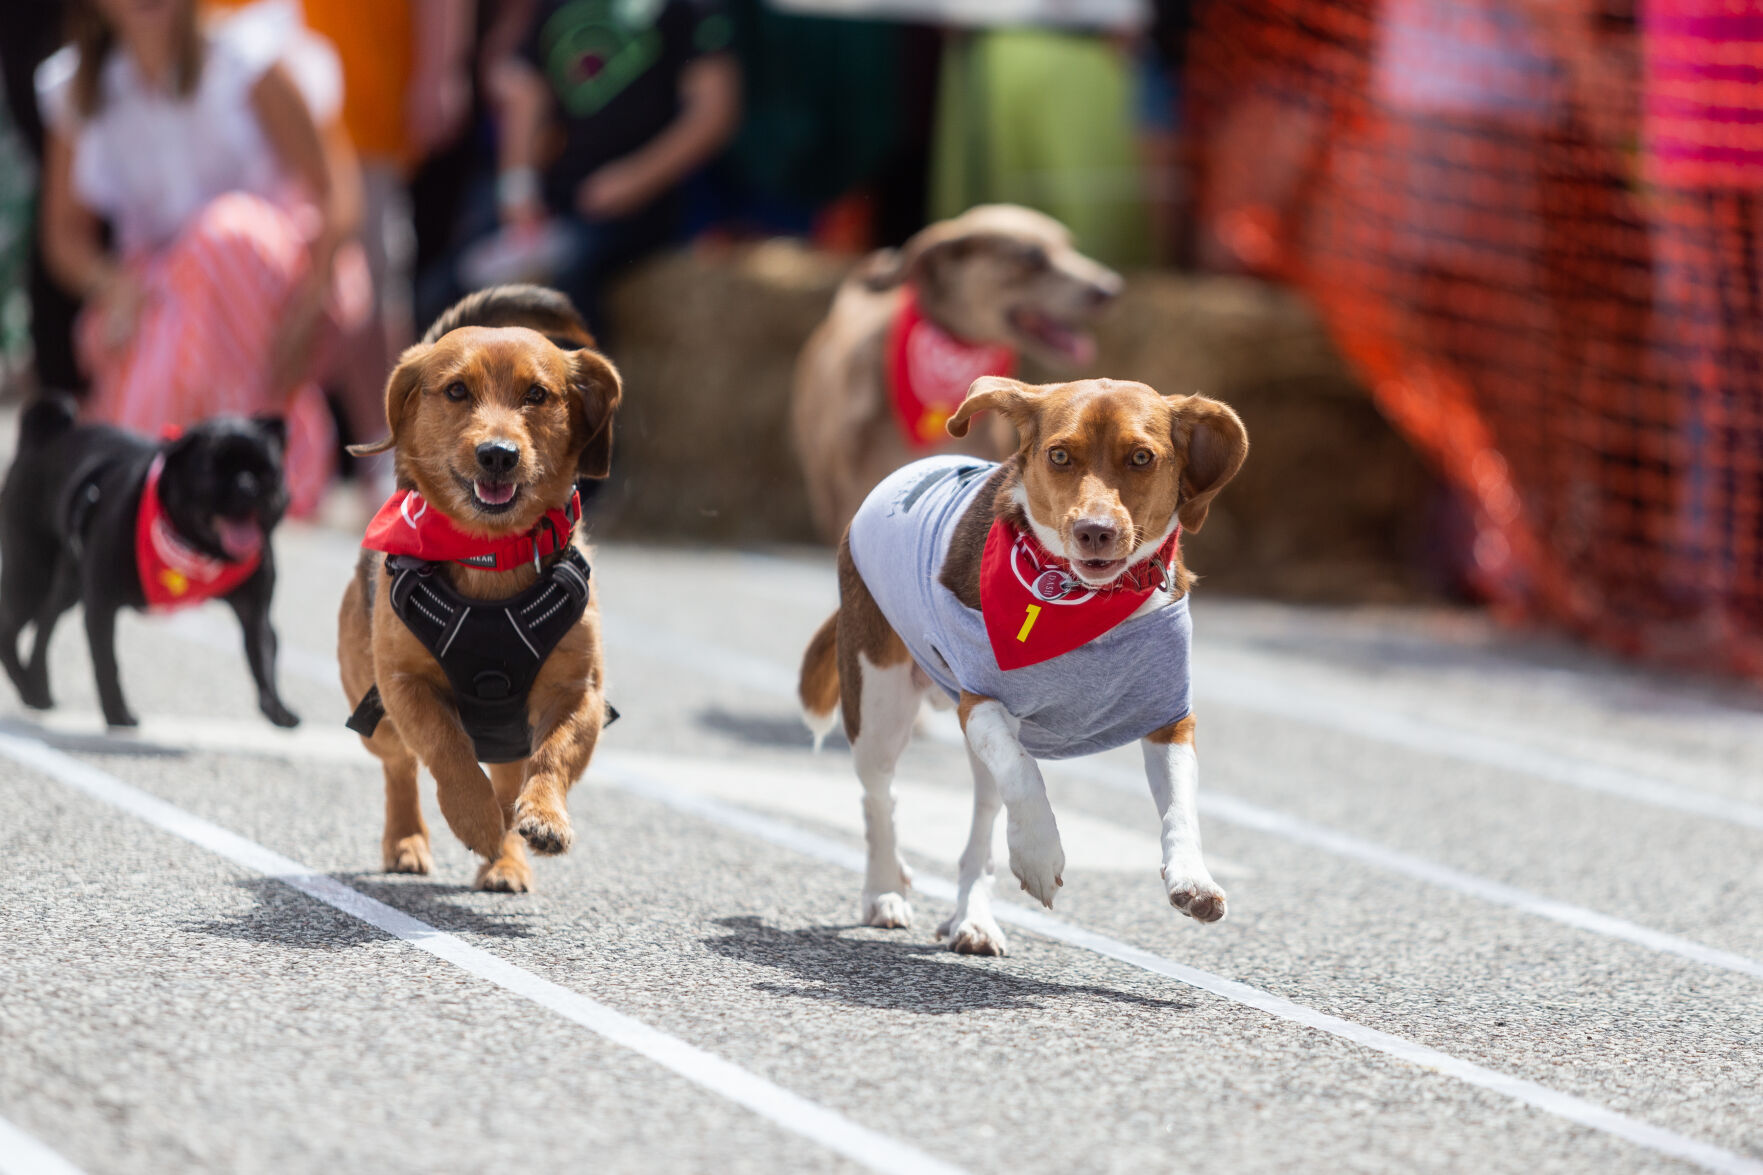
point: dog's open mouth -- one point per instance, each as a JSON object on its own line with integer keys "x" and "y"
{"x": 1076, "y": 346}
{"x": 493, "y": 497}
{"x": 240, "y": 538}
{"x": 1098, "y": 570}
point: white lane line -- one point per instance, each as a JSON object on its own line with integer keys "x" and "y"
{"x": 772, "y": 1102}
{"x": 23, "y": 1154}
{"x": 1539, "y": 1097}
{"x": 1263, "y": 694}
{"x": 752, "y": 672}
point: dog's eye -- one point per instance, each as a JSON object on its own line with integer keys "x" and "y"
{"x": 1059, "y": 456}
{"x": 536, "y": 394}
{"x": 456, "y": 391}
{"x": 1141, "y": 457}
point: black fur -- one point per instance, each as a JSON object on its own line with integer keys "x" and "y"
{"x": 547, "y": 311}
{"x": 55, "y": 553}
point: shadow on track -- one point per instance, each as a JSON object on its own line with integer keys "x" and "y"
{"x": 829, "y": 964}
{"x": 288, "y": 917}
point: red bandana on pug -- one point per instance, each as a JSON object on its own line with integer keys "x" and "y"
{"x": 406, "y": 525}
{"x": 1036, "y": 610}
{"x": 173, "y": 573}
{"x": 930, "y": 370}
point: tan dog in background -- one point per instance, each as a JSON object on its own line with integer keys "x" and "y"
{"x": 511, "y": 368}
{"x": 997, "y": 273}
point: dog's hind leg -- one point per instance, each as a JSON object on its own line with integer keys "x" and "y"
{"x": 888, "y": 704}
{"x": 509, "y": 872}
{"x": 49, "y": 598}
{"x": 971, "y": 929}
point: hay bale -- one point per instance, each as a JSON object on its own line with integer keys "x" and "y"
{"x": 1329, "y": 507}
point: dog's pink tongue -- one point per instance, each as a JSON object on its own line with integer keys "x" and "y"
{"x": 1081, "y": 347}
{"x": 494, "y": 494}
{"x": 239, "y": 539}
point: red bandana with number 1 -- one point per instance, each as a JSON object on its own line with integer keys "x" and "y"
{"x": 930, "y": 370}
{"x": 1036, "y": 610}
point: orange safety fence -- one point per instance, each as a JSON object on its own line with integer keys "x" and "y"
{"x": 1536, "y": 228}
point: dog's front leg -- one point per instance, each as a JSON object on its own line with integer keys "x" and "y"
{"x": 1174, "y": 773}
{"x": 250, "y": 603}
{"x": 1036, "y": 856}
{"x": 570, "y": 732}
{"x": 429, "y": 724}
{"x": 101, "y": 636}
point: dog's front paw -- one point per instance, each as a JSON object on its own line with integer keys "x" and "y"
{"x": 409, "y": 854}
{"x": 1036, "y": 856}
{"x": 505, "y": 875}
{"x": 974, "y": 936}
{"x": 891, "y": 911}
{"x": 36, "y": 697}
{"x": 277, "y": 713}
{"x": 121, "y": 719}
{"x": 544, "y": 829}
{"x": 1195, "y": 894}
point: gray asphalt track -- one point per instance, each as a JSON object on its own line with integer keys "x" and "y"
{"x": 1494, "y": 907}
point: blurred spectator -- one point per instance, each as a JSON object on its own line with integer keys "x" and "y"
{"x": 30, "y": 30}
{"x": 604, "y": 110}
{"x": 230, "y": 211}
{"x": 1702, "y": 155}
{"x": 1043, "y": 117}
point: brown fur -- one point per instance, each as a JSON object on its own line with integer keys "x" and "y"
{"x": 1197, "y": 445}
{"x": 565, "y": 432}
{"x": 975, "y": 275}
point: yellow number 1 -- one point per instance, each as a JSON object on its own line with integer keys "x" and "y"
{"x": 1034, "y": 611}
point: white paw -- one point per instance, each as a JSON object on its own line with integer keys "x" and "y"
{"x": 974, "y": 936}
{"x": 1036, "y": 856}
{"x": 890, "y": 910}
{"x": 1194, "y": 893}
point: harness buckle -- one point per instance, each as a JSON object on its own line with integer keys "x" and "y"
{"x": 492, "y": 686}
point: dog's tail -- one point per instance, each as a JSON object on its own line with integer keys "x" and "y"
{"x": 547, "y": 311}
{"x": 818, "y": 688}
{"x": 47, "y": 418}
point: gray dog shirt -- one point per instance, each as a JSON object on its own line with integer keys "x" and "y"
{"x": 1119, "y": 687}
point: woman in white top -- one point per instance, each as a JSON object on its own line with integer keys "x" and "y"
{"x": 230, "y": 209}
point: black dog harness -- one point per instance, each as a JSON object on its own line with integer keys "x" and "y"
{"x": 491, "y": 650}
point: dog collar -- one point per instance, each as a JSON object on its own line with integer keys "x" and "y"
{"x": 1035, "y": 609}
{"x": 407, "y": 525}
{"x": 929, "y": 371}
{"x": 173, "y": 573}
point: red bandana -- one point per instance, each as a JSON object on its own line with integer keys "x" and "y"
{"x": 1035, "y": 611}
{"x": 406, "y": 526}
{"x": 930, "y": 370}
{"x": 173, "y": 573}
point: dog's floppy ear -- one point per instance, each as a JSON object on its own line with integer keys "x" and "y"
{"x": 275, "y": 425}
{"x": 1214, "y": 443}
{"x": 1011, "y": 397}
{"x": 595, "y": 390}
{"x": 405, "y": 382}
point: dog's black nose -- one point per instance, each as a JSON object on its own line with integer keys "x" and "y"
{"x": 1094, "y": 537}
{"x": 1105, "y": 290}
{"x": 245, "y": 485}
{"x": 497, "y": 458}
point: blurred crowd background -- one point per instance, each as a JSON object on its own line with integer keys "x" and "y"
{"x": 1526, "y": 231}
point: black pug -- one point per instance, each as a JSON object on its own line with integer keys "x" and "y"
{"x": 73, "y": 530}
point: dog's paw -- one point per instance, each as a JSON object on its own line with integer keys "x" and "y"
{"x": 1036, "y": 856}
{"x": 1195, "y": 894}
{"x": 279, "y": 714}
{"x": 121, "y": 720}
{"x": 891, "y": 911}
{"x": 408, "y": 855}
{"x": 975, "y": 936}
{"x": 545, "y": 831}
{"x": 505, "y": 875}
{"x": 37, "y": 699}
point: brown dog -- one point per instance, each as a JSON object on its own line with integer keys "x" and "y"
{"x": 493, "y": 416}
{"x": 1061, "y": 565}
{"x": 997, "y": 274}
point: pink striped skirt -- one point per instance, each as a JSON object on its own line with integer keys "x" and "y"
{"x": 202, "y": 345}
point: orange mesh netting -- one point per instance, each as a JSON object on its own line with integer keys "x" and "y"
{"x": 1536, "y": 227}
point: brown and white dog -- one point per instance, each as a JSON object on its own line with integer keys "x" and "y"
{"x": 492, "y": 416}
{"x": 1106, "y": 476}
{"x": 994, "y": 281}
